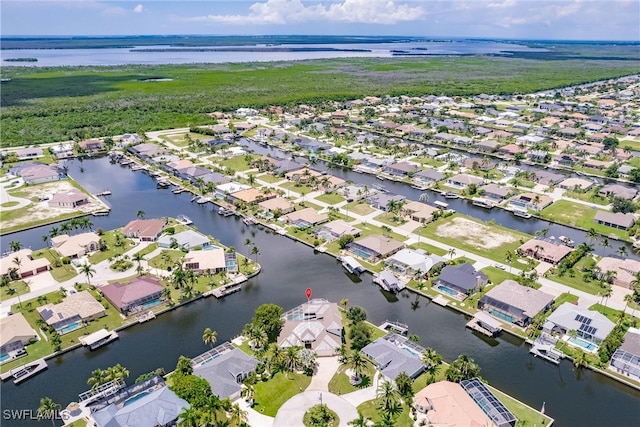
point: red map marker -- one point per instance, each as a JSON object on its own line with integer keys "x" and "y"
{"x": 309, "y": 292}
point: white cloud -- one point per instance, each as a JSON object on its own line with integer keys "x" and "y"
{"x": 138, "y": 8}
{"x": 281, "y": 12}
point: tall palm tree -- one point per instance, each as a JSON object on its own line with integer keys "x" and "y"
{"x": 238, "y": 415}
{"x": 88, "y": 271}
{"x": 97, "y": 378}
{"x": 462, "y": 368}
{"x": 138, "y": 257}
{"x": 361, "y": 421}
{"x": 508, "y": 257}
{"x": 628, "y": 299}
{"x": 189, "y": 417}
{"x": 622, "y": 252}
{"x": 15, "y": 246}
{"x": 606, "y": 293}
{"x": 357, "y": 362}
{"x": 47, "y": 409}
{"x": 140, "y": 214}
{"x": 451, "y": 252}
{"x": 586, "y": 249}
{"x": 592, "y": 234}
{"x": 53, "y": 232}
{"x": 388, "y": 397}
{"x": 433, "y": 359}
{"x": 210, "y": 337}
{"x": 255, "y": 251}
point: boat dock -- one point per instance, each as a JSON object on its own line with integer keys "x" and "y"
{"x": 396, "y": 327}
{"x": 547, "y": 352}
{"x": 485, "y": 324}
{"x": 145, "y": 317}
{"x": 440, "y": 300}
{"x": 224, "y": 291}
{"x": 98, "y": 338}
{"x": 26, "y": 371}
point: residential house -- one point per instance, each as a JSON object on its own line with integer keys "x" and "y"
{"x": 225, "y": 367}
{"x": 226, "y": 189}
{"x": 544, "y": 250}
{"x": 393, "y": 354}
{"x": 446, "y": 403}
{"x": 530, "y": 139}
{"x": 68, "y": 199}
{"x": 136, "y": 295}
{"x": 495, "y": 192}
{"x": 489, "y": 403}
{"x": 401, "y": 169}
{"x": 574, "y": 184}
{"x": 147, "y": 404}
{"x": 128, "y": 139}
{"x": 511, "y": 149}
{"x": 62, "y": 151}
{"x": 284, "y": 166}
{"x": 626, "y": 270}
{"x": 626, "y": 359}
{"x": 77, "y": 245}
{"x": 35, "y": 173}
{"x": 305, "y": 218}
{"x": 29, "y": 153}
{"x": 533, "y": 201}
{"x": 548, "y": 178}
{"x": 463, "y": 181}
{"x": 148, "y": 150}
{"x": 381, "y": 200}
{"x": 418, "y": 211}
{"x": 303, "y": 176}
{"x": 514, "y": 303}
{"x": 250, "y": 196}
{"x": 187, "y": 239}
{"x": 428, "y": 176}
{"x": 487, "y": 146}
{"x": 315, "y": 325}
{"x": 462, "y": 279}
{"x": 91, "y": 145}
{"x": 277, "y": 205}
{"x": 335, "y": 229}
{"x": 568, "y": 160}
{"x": 375, "y": 247}
{"x": 617, "y": 190}
{"x": 410, "y": 261}
{"x": 26, "y": 265}
{"x": 206, "y": 261}
{"x": 15, "y": 334}
{"x": 621, "y": 221}
{"x": 74, "y": 310}
{"x": 147, "y": 230}
{"x": 589, "y": 325}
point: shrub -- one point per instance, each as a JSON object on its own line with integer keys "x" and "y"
{"x": 66, "y": 260}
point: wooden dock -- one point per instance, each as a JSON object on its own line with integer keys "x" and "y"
{"x": 547, "y": 352}
{"x": 224, "y": 291}
{"x": 396, "y": 327}
{"x": 440, "y": 300}
{"x": 485, "y": 324}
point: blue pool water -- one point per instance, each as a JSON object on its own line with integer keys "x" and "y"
{"x": 69, "y": 328}
{"x": 589, "y": 346}
{"x": 136, "y": 397}
{"x": 232, "y": 265}
{"x": 361, "y": 254}
{"x": 411, "y": 352}
{"x": 150, "y": 304}
{"x": 447, "y": 291}
{"x": 209, "y": 248}
{"x": 4, "y": 357}
{"x": 502, "y": 316}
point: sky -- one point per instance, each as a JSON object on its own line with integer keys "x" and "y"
{"x": 509, "y": 19}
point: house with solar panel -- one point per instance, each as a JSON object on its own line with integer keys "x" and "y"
{"x": 591, "y": 327}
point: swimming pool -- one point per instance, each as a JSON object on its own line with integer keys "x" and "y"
{"x": 501, "y": 316}
{"x": 209, "y": 248}
{"x": 150, "y": 304}
{"x": 4, "y": 357}
{"x": 411, "y": 352}
{"x": 68, "y": 328}
{"x": 361, "y": 254}
{"x": 447, "y": 291}
{"x": 589, "y": 346}
{"x": 138, "y": 396}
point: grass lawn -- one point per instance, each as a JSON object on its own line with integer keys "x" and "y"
{"x": 237, "y": 163}
{"x": 330, "y": 198}
{"x": 496, "y": 253}
{"x": 369, "y": 409}
{"x": 360, "y": 208}
{"x": 429, "y": 248}
{"x": 369, "y": 229}
{"x": 390, "y": 219}
{"x": 565, "y": 297}
{"x": 269, "y": 178}
{"x": 301, "y": 189}
{"x": 497, "y": 276}
{"x": 340, "y": 383}
{"x": 152, "y": 247}
{"x": 611, "y": 313}
{"x": 429, "y": 161}
{"x": 109, "y": 238}
{"x": 60, "y": 274}
{"x": 576, "y": 282}
{"x": 580, "y": 216}
{"x": 26, "y": 211}
{"x": 526, "y": 415}
{"x": 19, "y": 286}
{"x": 633, "y": 143}
{"x": 270, "y": 395}
{"x": 590, "y": 196}
{"x": 158, "y": 261}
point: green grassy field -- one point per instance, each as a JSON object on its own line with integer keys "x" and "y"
{"x": 579, "y": 215}
{"x": 36, "y": 102}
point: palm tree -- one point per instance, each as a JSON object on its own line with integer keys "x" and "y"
{"x": 290, "y": 359}
{"x": 138, "y": 257}
{"x": 431, "y": 358}
{"x": 53, "y": 232}
{"x": 462, "y": 368}
{"x": 97, "y": 378}
{"x": 47, "y": 409}
{"x": 606, "y": 292}
{"x": 580, "y": 361}
{"x": 605, "y": 243}
{"x": 189, "y": 417}
{"x": 255, "y": 251}
{"x": 88, "y": 271}
{"x": 508, "y": 257}
{"x": 361, "y": 421}
{"x": 388, "y": 397}
{"x": 357, "y": 362}
{"x": 140, "y": 214}
{"x": 622, "y": 252}
{"x": 210, "y": 337}
{"x": 451, "y": 252}
{"x": 586, "y": 249}
{"x": 344, "y": 302}
{"x": 592, "y": 234}
{"x": 15, "y": 246}
{"x": 628, "y": 299}
{"x": 238, "y": 416}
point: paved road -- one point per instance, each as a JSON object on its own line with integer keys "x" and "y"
{"x": 292, "y": 412}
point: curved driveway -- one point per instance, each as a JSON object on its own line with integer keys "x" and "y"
{"x": 292, "y": 412}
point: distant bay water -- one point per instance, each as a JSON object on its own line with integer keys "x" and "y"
{"x": 164, "y": 54}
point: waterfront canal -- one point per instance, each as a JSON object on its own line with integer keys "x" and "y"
{"x": 572, "y": 398}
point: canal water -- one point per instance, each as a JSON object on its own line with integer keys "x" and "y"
{"x": 572, "y": 397}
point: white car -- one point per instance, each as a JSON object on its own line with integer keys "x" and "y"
{"x": 500, "y": 266}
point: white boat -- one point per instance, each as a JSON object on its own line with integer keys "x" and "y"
{"x": 483, "y": 203}
{"x": 521, "y": 213}
{"x": 202, "y": 200}
{"x": 183, "y": 219}
{"x": 248, "y": 221}
{"x": 450, "y": 195}
{"x": 567, "y": 241}
{"x": 351, "y": 265}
